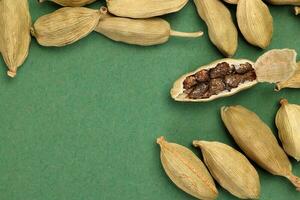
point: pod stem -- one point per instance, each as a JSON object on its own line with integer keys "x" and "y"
{"x": 160, "y": 140}
{"x": 283, "y": 102}
{"x": 11, "y": 73}
{"x": 185, "y": 34}
{"x": 295, "y": 181}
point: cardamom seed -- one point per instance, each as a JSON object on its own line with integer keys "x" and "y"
{"x": 287, "y": 122}
{"x": 186, "y": 170}
{"x": 284, "y": 2}
{"x": 292, "y": 82}
{"x": 258, "y": 142}
{"x": 71, "y": 3}
{"x": 143, "y": 32}
{"x": 15, "y": 22}
{"x": 255, "y": 22}
{"x": 297, "y": 10}
{"x": 144, "y": 8}
{"x": 65, "y": 26}
{"x": 230, "y": 169}
{"x": 221, "y": 29}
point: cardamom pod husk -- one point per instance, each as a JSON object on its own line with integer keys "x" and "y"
{"x": 297, "y": 10}
{"x": 71, "y": 3}
{"x": 15, "y": 23}
{"x": 284, "y": 2}
{"x": 292, "y": 82}
{"x": 255, "y": 22}
{"x": 287, "y": 122}
{"x": 144, "y": 8}
{"x": 227, "y": 77}
{"x": 143, "y": 32}
{"x": 230, "y": 169}
{"x": 258, "y": 142}
{"x": 186, "y": 170}
{"x": 65, "y": 26}
{"x": 222, "y": 31}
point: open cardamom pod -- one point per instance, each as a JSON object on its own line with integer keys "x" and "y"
{"x": 292, "y": 82}
{"x": 284, "y": 2}
{"x": 230, "y": 169}
{"x": 186, "y": 170}
{"x": 143, "y": 32}
{"x": 227, "y": 77}
{"x": 71, "y": 3}
{"x": 255, "y": 22}
{"x": 287, "y": 122}
{"x": 144, "y": 8}
{"x": 222, "y": 31}
{"x": 258, "y": 142}
{"x": 15, "y": 22}
{"x": 65, "y": 26}
{"x": 297, "y": 10}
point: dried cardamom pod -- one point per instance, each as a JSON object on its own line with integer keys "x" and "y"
{"x": 143, "y": 32}
{"x": 227, "y": 77}
{"x": 65, "y": 26}
{"x": 144, "y": 8}
{"x": 230, "y": 169}
{"x": 292, "y": 82}
{"x": 221, "y": 29}
{"x": 231, "y": 1}
{"x": 255, "y": 22}
{"x": 186, "y": 170}
{"x": 15, "y": 22}
{"x": 297, "y": 10}
{"x": 284, "y": 2}
{"x": 71, "y": 3}
{"x": 287, "y": 122}
{"x": 257, "y": 141}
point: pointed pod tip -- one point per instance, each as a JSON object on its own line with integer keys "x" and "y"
{"x": 283, "y": 101}
{"x": 197, "y": 143}
{"x": 160, "y": 140}
{"x": 295, "y": 181}
{"x": 11, "y": 73}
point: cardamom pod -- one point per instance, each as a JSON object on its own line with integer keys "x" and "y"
{"x": 297, "y": 10}
{"x": 143, "y": 32}
{"x": 186, "y": 170}
{"x": 221, "y": 29}
{"x": 227, "y": 77}
{"x": 292, "y": 82}
{"x": 284, "y": 2}
{"x": 144, "y": 8}
{"x": 231, "y": 1}
{"x": 71, "y": 3}
{"x": 257, "y": 141}
{"x": 230, "y": 169}
{"x": 15, "y": 22}
{"x": 255, "y": 22}
{"x": 287, "y": 122}
{"x": 65, "y": 26}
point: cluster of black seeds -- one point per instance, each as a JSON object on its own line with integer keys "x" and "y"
{"x": 206, "y": 83}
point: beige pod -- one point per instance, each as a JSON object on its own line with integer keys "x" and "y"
{"x": 230, "y": 169}
{"x": 71, "y": 3}
{"x": 65, "y": 26}
{"x": 274, "y": 66}
{"x": 288, "y": 124}
{"x": 255, "y": 22}
{"x": 144, "y": 8}
{"x": 297, "y": 10}
{"x": 143, "y": 32}
{"x": 186, "y": 170}
{"x": 284, "y": 2}
{"x": 15, "y": 22}
{"x": 258, "y": 142}
{"x": 292, "y": 82}
{"x": 231, "y": 1}
{"x": 222, "y": 31}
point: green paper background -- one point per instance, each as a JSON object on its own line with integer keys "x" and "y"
{"x": 80, "y": 122}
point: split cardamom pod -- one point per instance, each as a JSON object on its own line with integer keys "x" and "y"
{"x": 255, "y": 22}
{"x": 227, "y": 77}
{"x": 230, "y": 169}
{"x": 186, "y": 170}
{"x": 258, "y": 142}
{"x": 65, "y": 26}
{"x": 284, "y": 2}
{"x": 297, "y": 10}
{"x": 143, "y": 32}
{"x": 292, "y": 82}
{"x": 71, "y": 3}
{"x": 144, "y": 8}
{"x": 221, "y": 29}
{"x": 287, "y": 122}
{"x": 15, "y": 23}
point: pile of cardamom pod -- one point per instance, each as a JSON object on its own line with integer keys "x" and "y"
{"x": 230, "y": 168}
{"x": 130, "y": 21}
